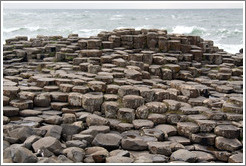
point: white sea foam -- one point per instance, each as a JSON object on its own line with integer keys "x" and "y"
{"x": 26, "y": 28}
{"x": 230, "y": 48}
{"x": 7, "y": 30}
{"x": 173, "y": 16}
{"x": 34, "y": 28}
{"x": 186, "y": 29}
{"x": 116, "y": 17}
{"x": 90, "y": 22}
{"x": 88, "y": 32}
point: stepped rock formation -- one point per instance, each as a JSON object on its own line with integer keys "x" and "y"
{"x": 121, "y": 96}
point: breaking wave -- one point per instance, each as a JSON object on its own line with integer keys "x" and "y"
{"x": 192, "y": 30}
{"x": 30, "y": 29}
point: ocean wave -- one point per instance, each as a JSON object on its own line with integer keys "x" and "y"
{"x": 7, "y": 30}
{"x": 135, "y": 27}
{"x": 31, "y": 29}
{"x": 230, "y": 48}
{"x": 192, "y": 30}
{"x": 173, "y": 16}
{"x": 226, "y": 33}
{"x": 88, "y": 32}
{"x": 116, "y": 17}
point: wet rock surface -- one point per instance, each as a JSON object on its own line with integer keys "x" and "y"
{"x": 127, "y": 96}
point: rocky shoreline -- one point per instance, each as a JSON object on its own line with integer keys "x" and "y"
{"x": 126, "y": 96}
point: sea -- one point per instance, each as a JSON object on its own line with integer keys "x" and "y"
{"x": 223, "y": 26}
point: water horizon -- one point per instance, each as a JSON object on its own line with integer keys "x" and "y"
{"x": 223, "y": 26}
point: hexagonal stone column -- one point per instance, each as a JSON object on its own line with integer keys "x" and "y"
{"x": 133, "y": 101}
{"x": 92, "y": 101}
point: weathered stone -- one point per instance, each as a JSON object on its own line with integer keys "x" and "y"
{"x": 189, "y": 91}
{"x": 68, "y": 130}
{"x": 203, "y": 156}
{"x": 206, "y": 125}
{"x": 156, "y": 107}
{"x": 119, "y": 62}
{"x": 172, "y": 105}
{"x": 227, "y": 131}
{"x": 133, "y": 74}
{"x": 155, "y": 70}
{"x": 92, "y": 101}
{"x": 68, "y": 118}
{"x": 29, "y": 112}
{"x": 97, "y": 86}
{"x": 59, "y": 96}
{"x": 147, "y": 57}
{"x": 10, "y": 111}
{"x": 50, "y": 143}
{"x": 133, "y": 144}
{"x": 168, "y": 130}
{"x": 224, "y": 89}
{"x": 63, "y": 159}
{"x": 153, "y": 133}
{"x": 77, "y": 143}
{"x": 127, "y": 90}
{"x": 126, "y": 114}
{"x": 157, "y": 118}
{"x": 119, "y": 159}
{"x": 160, "y": 95}
{"x": 74, "y": 153}
{"x": 227, "y": 144}
{"x": 213, "y": 58}
{"x": 53, "y": 131}
{"x": 41, "y": 82}
{"x": 187, "y": 128}
{"x": 112, "y": 89}
{"x": 6, "y": 120}
{"x": 189, "y": 111}
{"x": 179, "y": 139}
{"x": 160, "y": 148}
{"x": 203, "y": 138}
{"x": 236, "y": 158}
{"x": 147, "y": 94}
{"x": 120, "y": 153}
{"x": 80, "y": 89}
{"x": 58, "y": 105}
{"x": 222, "y": 155}
{"x": 99, "y": 154}
{"x": 197, "y": 55}
{"x": 55, "y": 119}
{"x": 173, "y": 67}
{"x": 42, "y": 100}
{"x": 110, "y": 109}
{"x": 124, "y": 127}
{"x": 21, "y": 133}
{"x": 22, "y": 104}
{"x": 110, "y": 97}
{"x": 166, "y": 74}
{"x": 83, "y": 137}
{"x": 94, "y": 119}
{"x": 66, "y": 87}
{"x": 140, "y": 123}
{"x": 75, "y": 99}
{"x": 142, "y": 112}
{"x": 109, "y": 141}
{"x": 183, "y": 155}
{"x": 23, "y": 155}
{"x": 132, "y": 101}
{"x": 5, "y": 100}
